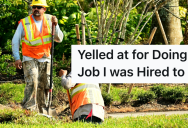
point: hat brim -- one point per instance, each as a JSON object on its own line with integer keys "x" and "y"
{"x": 39, "y": 5}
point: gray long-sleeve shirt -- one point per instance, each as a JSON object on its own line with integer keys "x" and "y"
{"x": 97, "y": 110}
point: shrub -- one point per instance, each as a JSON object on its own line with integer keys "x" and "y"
{"x": 174, "y": 94}
{"x": 108, "y": 98}
{"x": 125, "y": 97}
{"x": 146, "y": 96}
{"x": 104, "y": 87}
{"x": 5, "y": 66}
{"x": 158, "y": 90}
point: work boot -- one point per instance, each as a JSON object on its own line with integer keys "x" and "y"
{"x": 33, "y": 108}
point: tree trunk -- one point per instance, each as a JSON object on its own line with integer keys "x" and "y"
{"x": 171, "y": 24}
{"x": 29, "y": 7}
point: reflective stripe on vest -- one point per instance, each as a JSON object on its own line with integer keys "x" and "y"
{"x": 38, "y": 41}
{"x": 83, "y": 94}
{"x": 34, "y": 39}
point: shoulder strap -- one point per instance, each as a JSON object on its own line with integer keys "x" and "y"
{"x": 48, "y": 18}
{"x": 27, "y": 25}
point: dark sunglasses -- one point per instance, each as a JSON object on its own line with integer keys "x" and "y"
{"x": 38, "y": 7}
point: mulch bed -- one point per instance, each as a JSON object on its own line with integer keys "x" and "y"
{"x": 155, "y": 106}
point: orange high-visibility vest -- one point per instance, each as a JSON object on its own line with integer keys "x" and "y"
{"x": 83, "y": 94}
{"x": 36, "y": 44}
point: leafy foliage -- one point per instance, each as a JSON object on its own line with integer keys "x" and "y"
{"x": 183, "y": 12}
{"x": 108, "y": 98}
{"x": 91, "y": 19}
{"x": 5, "y": 67}
{"x": 158, "y": 90}
{"x": 146, "y": 96}
{"x": 11, "y": 12}
{"x": 68, "y": 15}
{"x": 125, "y": 97}
{"x": 171, "y": 94}
{"x": 174, "y": 94}
{"x": 132, "y": 23}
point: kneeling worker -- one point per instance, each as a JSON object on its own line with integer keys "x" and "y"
{"x": 87, "y": 103}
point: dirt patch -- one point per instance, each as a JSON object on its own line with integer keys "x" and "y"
{"x": 10, "y": 106}
{"x": 4, "y": 107}
{"x": 146, "y": 86}
{"x": 62, "y": 105}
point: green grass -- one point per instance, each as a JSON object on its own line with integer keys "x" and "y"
{"x": 162, "y": 121}
{"x": 18, "y": 118}
{"x": 10, "y": 92}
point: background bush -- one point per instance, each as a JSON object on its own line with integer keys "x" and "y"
{"x": 125, "y": 97}
{"x": 174, "y": 94}
{"x": 108, "y": 98}
{"x": 11, "y": 12}
{"x": 146, "y": 96}
{"x": 158, "y": 90}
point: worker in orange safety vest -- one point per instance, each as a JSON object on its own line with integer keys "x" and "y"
{"x": 87, "y": 103}
{"x": 34, "y": 34}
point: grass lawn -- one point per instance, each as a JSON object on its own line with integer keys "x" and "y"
{"x": 17, "y": 118}
{"x": 10, "y": 92}
{"x": 173, "y": 121}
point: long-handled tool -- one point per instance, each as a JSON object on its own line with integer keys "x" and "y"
{"x": 48, "y": 110}
{"x": 69, "y": 101}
